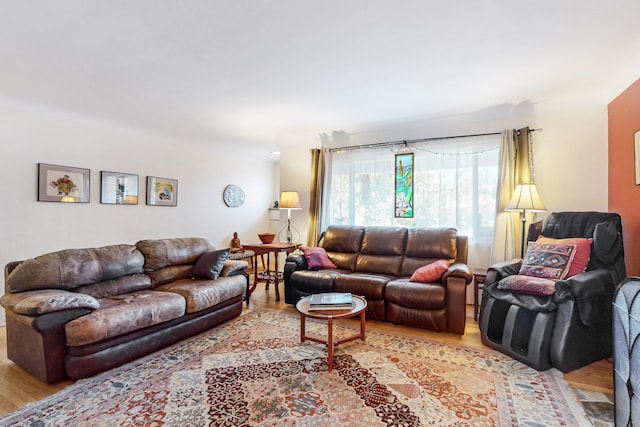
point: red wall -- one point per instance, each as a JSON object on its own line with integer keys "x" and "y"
{"x": 624, "y": 194}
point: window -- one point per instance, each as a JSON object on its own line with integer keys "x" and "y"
{"x": 455, "y": 182}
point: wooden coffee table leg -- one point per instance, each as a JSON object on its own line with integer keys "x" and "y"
{"x": 302, "y": 325}
{"x": 330, "y": 344}
{"x": 362, "y": 324}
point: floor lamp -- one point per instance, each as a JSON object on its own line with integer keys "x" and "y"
{"x": 525, "y": 199}
{"x": 289, "y": 200}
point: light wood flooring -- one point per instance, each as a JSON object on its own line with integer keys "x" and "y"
{"x": 17, "y": 388}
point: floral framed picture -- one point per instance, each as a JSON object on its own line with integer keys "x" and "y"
{"x": 404, "y": 185}
{"x": 118, "y": 188}
{"x": 63, "y": 184}
{"x": 162, "y": 191}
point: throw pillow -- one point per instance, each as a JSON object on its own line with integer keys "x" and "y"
{"x": 528, "y": 284}
{"x": 430, "y": 272}
{"x": 547, "y": 260}
{"x": 209, "y": 264}
{"x": 317, "y": 258}
{"x": 583, "y": 252}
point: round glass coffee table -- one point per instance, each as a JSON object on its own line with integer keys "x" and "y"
{"x": 358, "y": 307}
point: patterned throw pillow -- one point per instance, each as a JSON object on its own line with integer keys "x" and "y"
{"x": 317, "y": 258}
{"x": 430, "y": 272}
{"x": 547, "y": 260}
{"x": 528, "y": 284}
{"x": 583, "y": 252}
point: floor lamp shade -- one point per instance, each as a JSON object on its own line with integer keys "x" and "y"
{"x": 525, "y": 199}
{"x": 289, "y": 200}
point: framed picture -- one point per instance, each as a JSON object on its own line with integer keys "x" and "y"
{"x": 636, "y": 142}
{"x": 162, "y": 191}
{"x": 404, "y": 185}
{"x": 63, "y": 184}
{"x": 118, "y": 188}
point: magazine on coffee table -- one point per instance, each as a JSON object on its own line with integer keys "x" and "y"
{"x": 330, "y": 301}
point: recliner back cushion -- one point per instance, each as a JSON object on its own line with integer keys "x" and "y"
{"x": 382, "y": 250}
{"x": 342, "y": 244}
{"x": 71, "y": 268}
{"x": 426, "y": 245}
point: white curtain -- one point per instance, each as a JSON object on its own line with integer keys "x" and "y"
{"x": 455, "y": 181}
{"x": 504, "y": 238}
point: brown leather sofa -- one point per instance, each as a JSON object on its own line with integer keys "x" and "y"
{"x": 377, "y": 262}
{"x": 78, "y": 312}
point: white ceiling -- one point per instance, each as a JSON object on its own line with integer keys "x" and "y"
{"x": 257, "y": 70}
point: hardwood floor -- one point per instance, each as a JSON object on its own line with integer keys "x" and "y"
{"x": 17, "y": 388}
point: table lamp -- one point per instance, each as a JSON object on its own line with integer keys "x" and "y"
{"x": 289, "y": 200}
{"x": 525, "y": 199}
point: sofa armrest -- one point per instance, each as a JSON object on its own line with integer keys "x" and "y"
{"x": 294, "y": 262}
{"x": 32, "y": 303}
{"x": 459, "y": 270}
{"x": 234, "y": 267}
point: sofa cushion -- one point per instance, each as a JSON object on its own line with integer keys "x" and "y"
{"x": 33, "y": 303}
{"x": 370, "y": 286}
{"x": 426, "y": 245}
{"x": 124, "y": 313}
{"x": 431, "y": 272}
{"x": 317, "y": 258}
{"x": 547, "y": 260}
{"x": 161, "y": 253}
{"x": 71, "y": 268}
{"x": 200, "y": 294}
{"x": 382, "y": 250}
{"x": 121, "y": 285}
{"x": 343, "y": 243}
{"x": 424, "y": 296}
{"x": 209, "y": 264}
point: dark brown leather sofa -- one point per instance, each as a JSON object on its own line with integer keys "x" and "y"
{"x": 377, "y": 262}
{"x": 78, "y": 312}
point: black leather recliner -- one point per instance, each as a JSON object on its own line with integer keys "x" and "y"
{"x": 572, "y": 327}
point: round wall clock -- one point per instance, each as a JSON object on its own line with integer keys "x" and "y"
{"x": 233, "y": 196}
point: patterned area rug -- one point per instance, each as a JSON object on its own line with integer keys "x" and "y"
{"x": 254, "y": 371}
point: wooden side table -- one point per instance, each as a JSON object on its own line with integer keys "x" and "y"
{"x": 268, "y": 248}
{"x": 358, "y": 308}
{"x": 479, "y": 274}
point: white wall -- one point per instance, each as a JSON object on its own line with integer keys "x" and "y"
{"x": 30, "y": 135}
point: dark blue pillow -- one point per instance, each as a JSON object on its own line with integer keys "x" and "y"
{"x": 210, "y": 264}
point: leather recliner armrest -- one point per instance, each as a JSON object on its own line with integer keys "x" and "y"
{"x": 458, "y": 270}
{"x": 593, "y": 293}
{"x": 499, "y": 271}
{"x": 586, "y": 285}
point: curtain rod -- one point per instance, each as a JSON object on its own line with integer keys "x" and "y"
{"x": 413, "y": 141}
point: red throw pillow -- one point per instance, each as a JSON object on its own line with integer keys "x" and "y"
{"x": 317, "y": 258}
{"x": 547, "y": 260}
{"x": 583, "y": 252}
{"x": 430, "y": 272}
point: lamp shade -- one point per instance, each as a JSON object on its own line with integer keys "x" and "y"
{"x": 526, "y": 198}
{"x": 289, "y": 200}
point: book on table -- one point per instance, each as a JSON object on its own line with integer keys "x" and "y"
{"x": 330, "y": 301}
